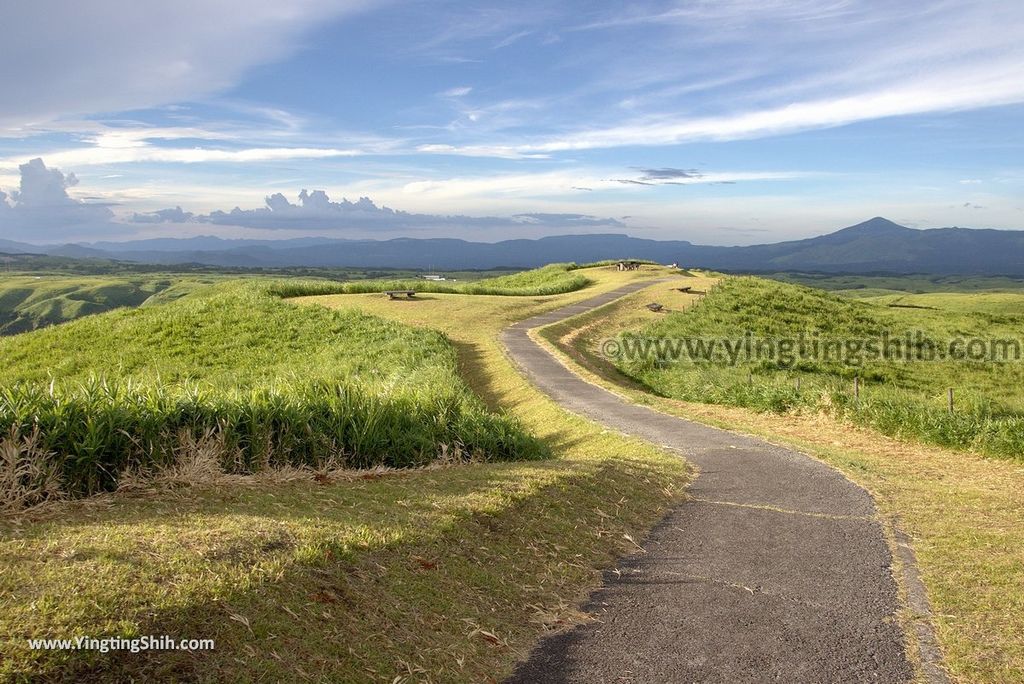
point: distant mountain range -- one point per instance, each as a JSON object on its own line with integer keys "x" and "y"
{"x": 875, "y": 246}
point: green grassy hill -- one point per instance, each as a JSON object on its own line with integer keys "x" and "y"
{"x": 28, "y": 302}
{"x": 268, "y": 382}
{"x": 901, "y": 398}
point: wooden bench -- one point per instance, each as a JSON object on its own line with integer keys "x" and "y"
{"x": 393, "y": 294}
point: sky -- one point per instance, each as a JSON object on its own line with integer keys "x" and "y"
{"x": 715, "y": 121}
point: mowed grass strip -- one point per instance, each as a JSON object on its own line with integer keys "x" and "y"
{"x": 961, "y": 509}
{"x": 547, "y": 280}
{"x": 436, "y": 574}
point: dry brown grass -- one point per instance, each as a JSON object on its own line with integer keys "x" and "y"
{"x": 26, "y": 478}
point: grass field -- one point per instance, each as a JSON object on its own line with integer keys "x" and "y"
{"x": 440, "y": 574}
{"x": 997, "y": 303}
{"x": 961, "y": 509}
{"x": 902, "y": 398}
{"x": 914, "y": 284}
{"x": 61, "y": 290}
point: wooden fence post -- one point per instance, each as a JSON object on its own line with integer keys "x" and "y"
{"x": 856, "y": 389}
{"x": 949, "y": 399}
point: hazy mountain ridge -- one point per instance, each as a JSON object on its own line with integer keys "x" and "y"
{"x": 877, "y": 245}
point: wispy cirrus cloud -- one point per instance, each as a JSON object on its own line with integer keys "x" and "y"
{"x": 99, "y": 155}
{"x": 98, "y": 143}
{"x": 1000, "y": 85}
{"x": 143, "y": 54}
{"x": 738, "y": 70}
{"x": 553, "y": 183}
{"x": 458, "y": 91}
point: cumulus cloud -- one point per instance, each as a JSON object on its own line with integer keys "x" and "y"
{"x": 315, "y": 211}
{"x": 175, "y": 215}
{"x": 41, "y": 206}
{"x": 41, "y": 210}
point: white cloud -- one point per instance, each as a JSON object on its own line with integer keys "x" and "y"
{"x": 147, "y": 144}
{"x": 89, "y": 156}
{"x": 568, "y": 181}
{"x": 805, "y": 64}
{"x": 459, "y": 91}
{"x": 999, "y": 86}
{"x": 41, "y": 210}
{"x": 41, "y": 206}
{"x": 316, "y": 212}
{"x": 65, "y": 58}
{"x": 512, "y": 39}
{"x": 175, "y": 215}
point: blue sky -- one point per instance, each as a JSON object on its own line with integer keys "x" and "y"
{"x": 727, "y": 122}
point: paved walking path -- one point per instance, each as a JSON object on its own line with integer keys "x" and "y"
{"x": 773, "y": 570}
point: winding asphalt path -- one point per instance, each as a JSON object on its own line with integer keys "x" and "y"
{"x": 773, "y": 570}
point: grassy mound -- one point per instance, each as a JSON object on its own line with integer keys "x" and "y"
{"x": 548, "y": 280}
{"x": 270, "y": 383}
{"x": 905, "y": 399}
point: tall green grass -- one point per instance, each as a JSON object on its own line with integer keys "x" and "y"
{"x": 270, "y": 382}
{"x": 94, "y": 431}
{"x": 898, "y": 398}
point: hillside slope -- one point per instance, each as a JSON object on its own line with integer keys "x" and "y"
{"x": 903, "y": 379}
